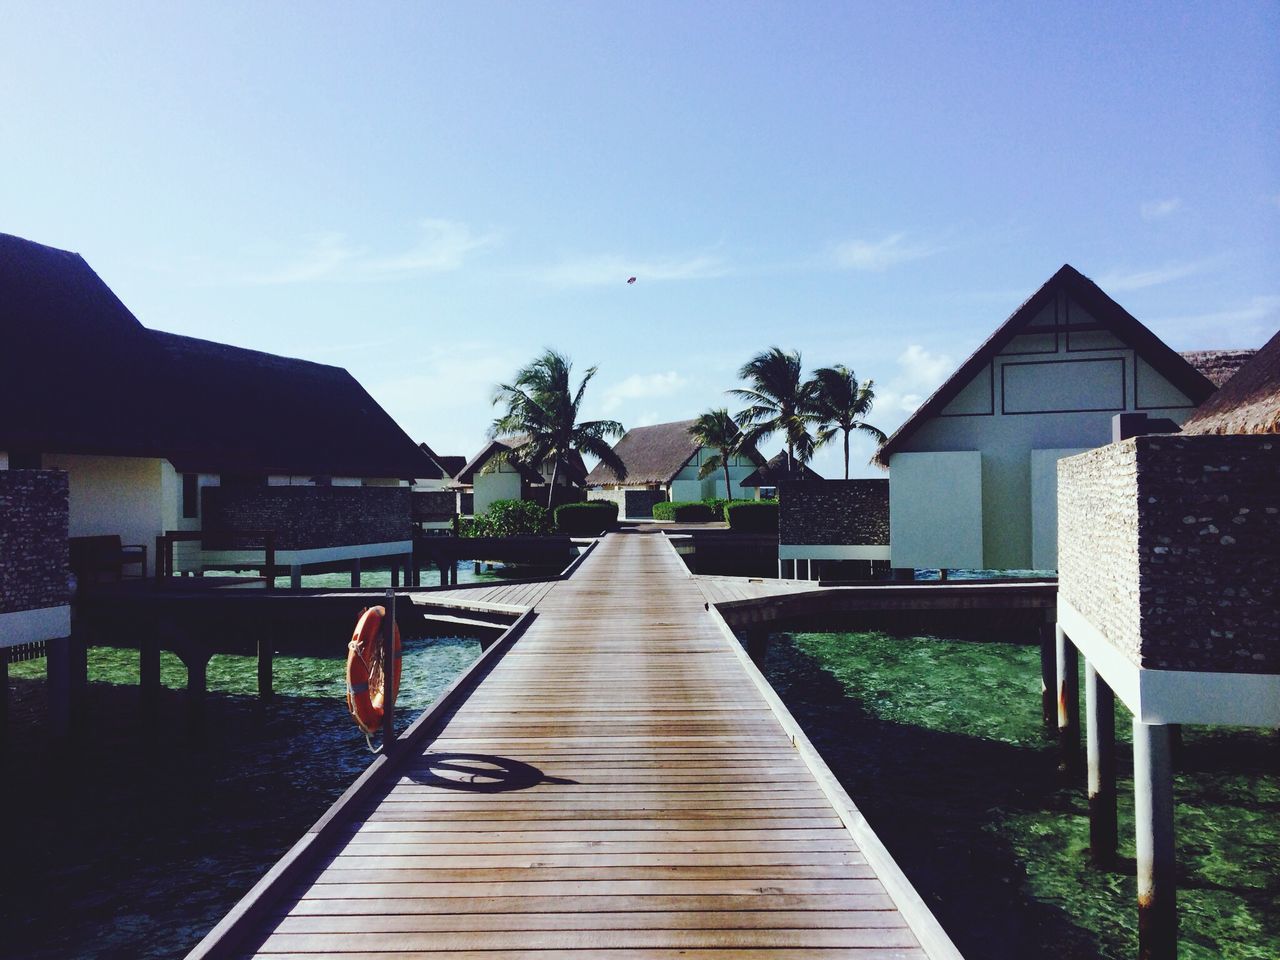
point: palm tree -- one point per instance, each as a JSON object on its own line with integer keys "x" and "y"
{"x": 539, "y": 404}
{"x": 779, "y": 400}
{"x": 842, "y": 405}
{"x": 716, "y": 428}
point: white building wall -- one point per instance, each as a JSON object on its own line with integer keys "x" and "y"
{"x": 499, "y": 485}
{"x": 1045, "y": 392}
{"x": 935, "y": 509}
{"x": 740, "y": 468}
{"x": 120, "y": 495}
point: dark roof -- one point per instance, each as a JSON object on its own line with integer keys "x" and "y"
{"x": 1218, "y": 366}
{"x": 89, "y": 378}
{"x": 653, "y": 454}
{"x": 449, "y": 466}
{"x": 1104, "y": 309}
{"x": 466, "y": 476}
{"x": 776, "y": 470}
{"x": 1249, "y": 402}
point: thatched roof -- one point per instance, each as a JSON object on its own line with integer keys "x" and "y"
{"x": 1249, "y": 402}
{"x": 89, "y": 378}
{"x": 503, "y": 445}
{"x": 653, "y": 454}
{"x": 1106, "y": 311}
{"x": 1218, "y": 366}
{"x": 776, "y": 470}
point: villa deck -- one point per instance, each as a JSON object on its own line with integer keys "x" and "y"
{"x": 617, "y": 782}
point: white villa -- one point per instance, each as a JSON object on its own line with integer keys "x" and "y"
{"x": 159, "y": 432}
{"x": 662, "y": 464}
{"x": 493, "y": 475}
{"x": 972, "y": 474}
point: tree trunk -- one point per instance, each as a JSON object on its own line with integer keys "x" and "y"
{"x": 846, "y": 454}
{"x": 724, "y": 459}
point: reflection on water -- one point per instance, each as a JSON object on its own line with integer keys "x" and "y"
{"x": 136, "y": 843}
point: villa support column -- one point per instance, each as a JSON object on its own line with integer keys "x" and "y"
{"x": 355, "y": 574}
{"x": 1048, "y": 677}
{"x": 149, "y": 672}
{"x": 4, "y": 693}
{"x": 395, "y": 572}
{"x": 1153, "y": 818}
{"x": 1068, "y": 675}
{"x": 266, "y": 663}
{"x": 58, "y": 673}
{"x": 197, "y": 662}
{"x": 1100, "y": 731}
{"x": 295, "y": 576}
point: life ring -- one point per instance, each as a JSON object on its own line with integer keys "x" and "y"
{"x": 366, "y": 689}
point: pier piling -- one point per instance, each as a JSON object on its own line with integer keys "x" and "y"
{"x": 1153, "y": 817}
{"x": 1100, "y": 724}
{"x": 1068, "y": 684}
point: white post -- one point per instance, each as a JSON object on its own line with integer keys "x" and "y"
{"x": 1153, "y": 820}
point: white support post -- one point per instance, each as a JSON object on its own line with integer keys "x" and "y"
{"x": 1153, "y": 820}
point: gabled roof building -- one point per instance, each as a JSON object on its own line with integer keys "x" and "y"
{"x": 663, "y": 461}
{"x": 147, "y": 423}
{"x": 973, "y": 472}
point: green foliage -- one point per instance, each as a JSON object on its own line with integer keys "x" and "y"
{"x": 751, "y": 516}
{"x": 507, "y": 518}
{"x": 586, "y": 519}
{"x": 684, "y": 511}
{"x": 718, "y": 506}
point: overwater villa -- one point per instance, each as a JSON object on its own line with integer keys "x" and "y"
{"x": 973, "y": 471}
{"x": 663, "y": 461}
{"x": 160, "y": 433}
{"x": 492, "y": 474}
{"x": 435, "y": 501}
{"x": 765, "y": 478}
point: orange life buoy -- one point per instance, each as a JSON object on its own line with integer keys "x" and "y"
{"x": 366, "y": 686}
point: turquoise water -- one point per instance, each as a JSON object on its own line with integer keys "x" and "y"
{"x": 137, "y": 843}
{"x": 939, "y": 742}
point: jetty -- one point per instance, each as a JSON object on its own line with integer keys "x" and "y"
{"x": 612, "y": 779}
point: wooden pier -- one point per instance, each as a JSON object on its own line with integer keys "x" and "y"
{"x": 614, "y": 779}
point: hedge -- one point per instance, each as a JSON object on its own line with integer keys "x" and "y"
{"x": 586, "y": 519}
{"x": 751, "y": 516}
{"x": 508, "y": 518}
{"x": 684, "y": 511}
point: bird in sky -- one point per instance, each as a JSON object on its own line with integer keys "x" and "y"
{"x": 631, "y": 280}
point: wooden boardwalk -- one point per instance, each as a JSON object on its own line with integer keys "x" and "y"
{"x": 621, "y": 784}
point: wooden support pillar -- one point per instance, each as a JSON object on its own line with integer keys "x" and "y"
{"x": 4, "y": 693}
{"x": 1100, "y": 726}
{"x": 197, "y": 662}
{"x": 79, "y": 654}
{"x": 355, "y": 574}
{"x": 295, "y": 576}
{"x": 266, "y": 664}
{"x": 1048, "y": 679}
{"x": 476, "y": 571}
{"x": 149, "y": 674}
{"x": 58, "y": 675}
{"x": 395, "y": 573}
{"x": 758, "y": 643}
{"x": 1068, "y": 676}
{"x": 1153, "y": 820}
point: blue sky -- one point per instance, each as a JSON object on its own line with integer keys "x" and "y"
{"x": 428, "y": 194}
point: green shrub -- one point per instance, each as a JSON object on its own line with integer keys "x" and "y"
{"x": 467, "y": 526}
{"x": 684, "y": 511}
{"x": 513, "y": 518}
{"x": 586, "y": 519}
{"x": 750, "y": 516}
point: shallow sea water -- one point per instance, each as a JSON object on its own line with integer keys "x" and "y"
{"x": 939, "y": 742}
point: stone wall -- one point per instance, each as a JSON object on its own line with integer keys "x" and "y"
{"x": 433, "y": 505}
{"x": 1172, "y": 549}
{"x": 34, "y": 563}
{"x": 304, "y": 518}
{"x": 1098, "y": 570}
{"x": 833, "y": 512}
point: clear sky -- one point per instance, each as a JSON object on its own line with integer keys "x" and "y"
{"x": 429, "y": 193}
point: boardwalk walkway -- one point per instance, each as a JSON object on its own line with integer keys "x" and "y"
{"x": 618, "y": 786}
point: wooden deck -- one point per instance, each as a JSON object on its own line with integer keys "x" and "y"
{"x": 621, "y": 783}
{"x": 728, "y": 589}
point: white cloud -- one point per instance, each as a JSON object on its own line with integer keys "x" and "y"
{"x": 1119, "y": 281}
{"x": 616, "y": 269}
{"x": 879, "y": 255}
{"x": 441, "y": 246}
{"x": 1159, "y": 209}
{"x": 642, "y": 386}
{"x": 922, "y": 369}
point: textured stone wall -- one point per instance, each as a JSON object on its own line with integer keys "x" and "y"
{"x": 1209, "y": 549}
{"x": 1098, "y": 568}
{"x": 833, "y": 512}
{"x": 1170, "y": 545}
{"x": 433, "y": 505}
{"x": 304, "y": 518}
{"x": 34, "y": 563}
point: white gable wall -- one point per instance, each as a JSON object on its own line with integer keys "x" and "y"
{"x": 1046, "y": 392}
